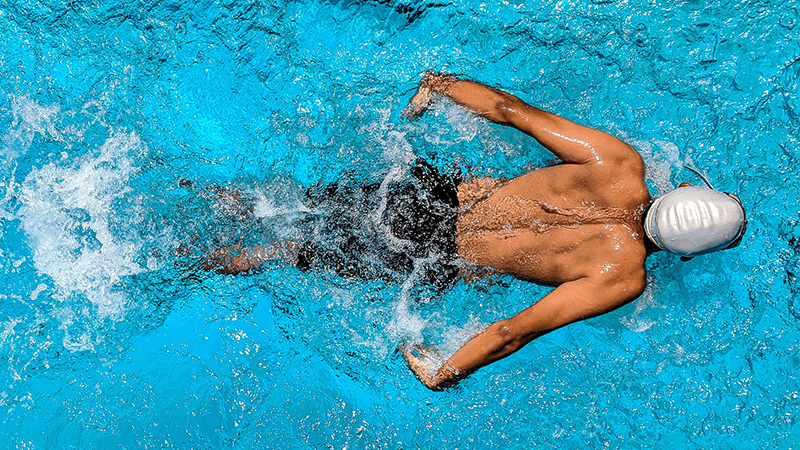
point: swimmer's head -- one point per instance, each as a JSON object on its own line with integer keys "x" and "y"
{"x": 695, "y": 220}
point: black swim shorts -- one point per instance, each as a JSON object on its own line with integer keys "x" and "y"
{"x": 361, "y": 229}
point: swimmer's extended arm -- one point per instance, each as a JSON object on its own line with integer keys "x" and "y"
{"x": 570, "y": 302}
{"x": 571, "y": 142}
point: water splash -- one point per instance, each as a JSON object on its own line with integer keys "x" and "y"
{"x": 68, "y": 214}
{"x": 660, "y": 158}
{"x": 30, "y": 120}
{"x": 636, "y": 322}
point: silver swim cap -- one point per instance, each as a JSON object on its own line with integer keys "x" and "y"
{"x": 694, "y": 220}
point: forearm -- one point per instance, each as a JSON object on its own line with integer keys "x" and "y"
{"x": 503, "y": 108}
{"x": 486, "y": 101}
{"x": 496, "y": 342}
{"x": 569, "y": 141}
{"x": 570, "y": 302}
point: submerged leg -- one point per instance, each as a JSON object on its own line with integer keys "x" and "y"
{"x": 235, "y": 259}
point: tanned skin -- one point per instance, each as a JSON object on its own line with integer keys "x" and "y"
{"x": 576, "y": 225}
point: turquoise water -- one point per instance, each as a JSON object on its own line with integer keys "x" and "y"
{"x": 115, "y": 118}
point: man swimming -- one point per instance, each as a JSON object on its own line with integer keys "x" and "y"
{"x": 585, "y": 226}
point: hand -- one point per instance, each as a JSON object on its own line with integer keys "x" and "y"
{"x": 432, "y": 82}
{"x": 422, "y": 371}
{"x": 418, "y": 104}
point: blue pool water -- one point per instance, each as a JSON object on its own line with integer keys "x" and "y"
{"x": 114, "y": 117}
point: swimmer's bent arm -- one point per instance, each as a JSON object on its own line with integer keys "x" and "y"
{"x": 570, "y": 142}
{"x": 568, "y": 303}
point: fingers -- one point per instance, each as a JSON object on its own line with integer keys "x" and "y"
{"x": 415, "y": 361}
{"x": 412, "y": 361}
{"x": 413, "y": 111}
{"x": 420, "y": 365}
{"x": 418, "y": 104}
{"x": 431, "y": 82}
{"x": 410, "y": 113}
{"x": 420, "y": 369}
{"x": 407, "y": 113}
{"x": 415, "y": 108}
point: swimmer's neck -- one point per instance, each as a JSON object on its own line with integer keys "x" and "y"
{"x": 649, "y": 245}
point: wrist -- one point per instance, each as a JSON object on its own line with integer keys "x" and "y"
{"x": 438, "y": 81}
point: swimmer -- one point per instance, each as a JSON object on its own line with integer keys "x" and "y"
{"x": 585, "y": 226}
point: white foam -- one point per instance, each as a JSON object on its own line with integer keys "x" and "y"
{"x": 646, "y": 301}
{"x": 267, "y": 208}
{"x": 464, "y": 122}
{"x": 407, "y": 325}
{"x": 396, "y": 173}
{"x": 456, "y": 337}
{"x": 660, "y": 158}
{"x": 30, "y": 120}
{"x": 462, "y": 125}
{"x": 399, "y": 155}
{"x": 39, "y": 289}
{"x": 66, "y": 212}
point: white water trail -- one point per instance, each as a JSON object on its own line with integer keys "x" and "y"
{"x": 68, "y": 209}
{"x": 67, "y": 215}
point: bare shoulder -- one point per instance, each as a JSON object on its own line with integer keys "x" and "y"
{"x": 631, "y": 161}
{"x": 607, "y": 291}
{"x": 620, "y": 177}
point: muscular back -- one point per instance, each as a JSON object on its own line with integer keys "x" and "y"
{"x": 560, "y": 223}
{"x": 576, "y": 225}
